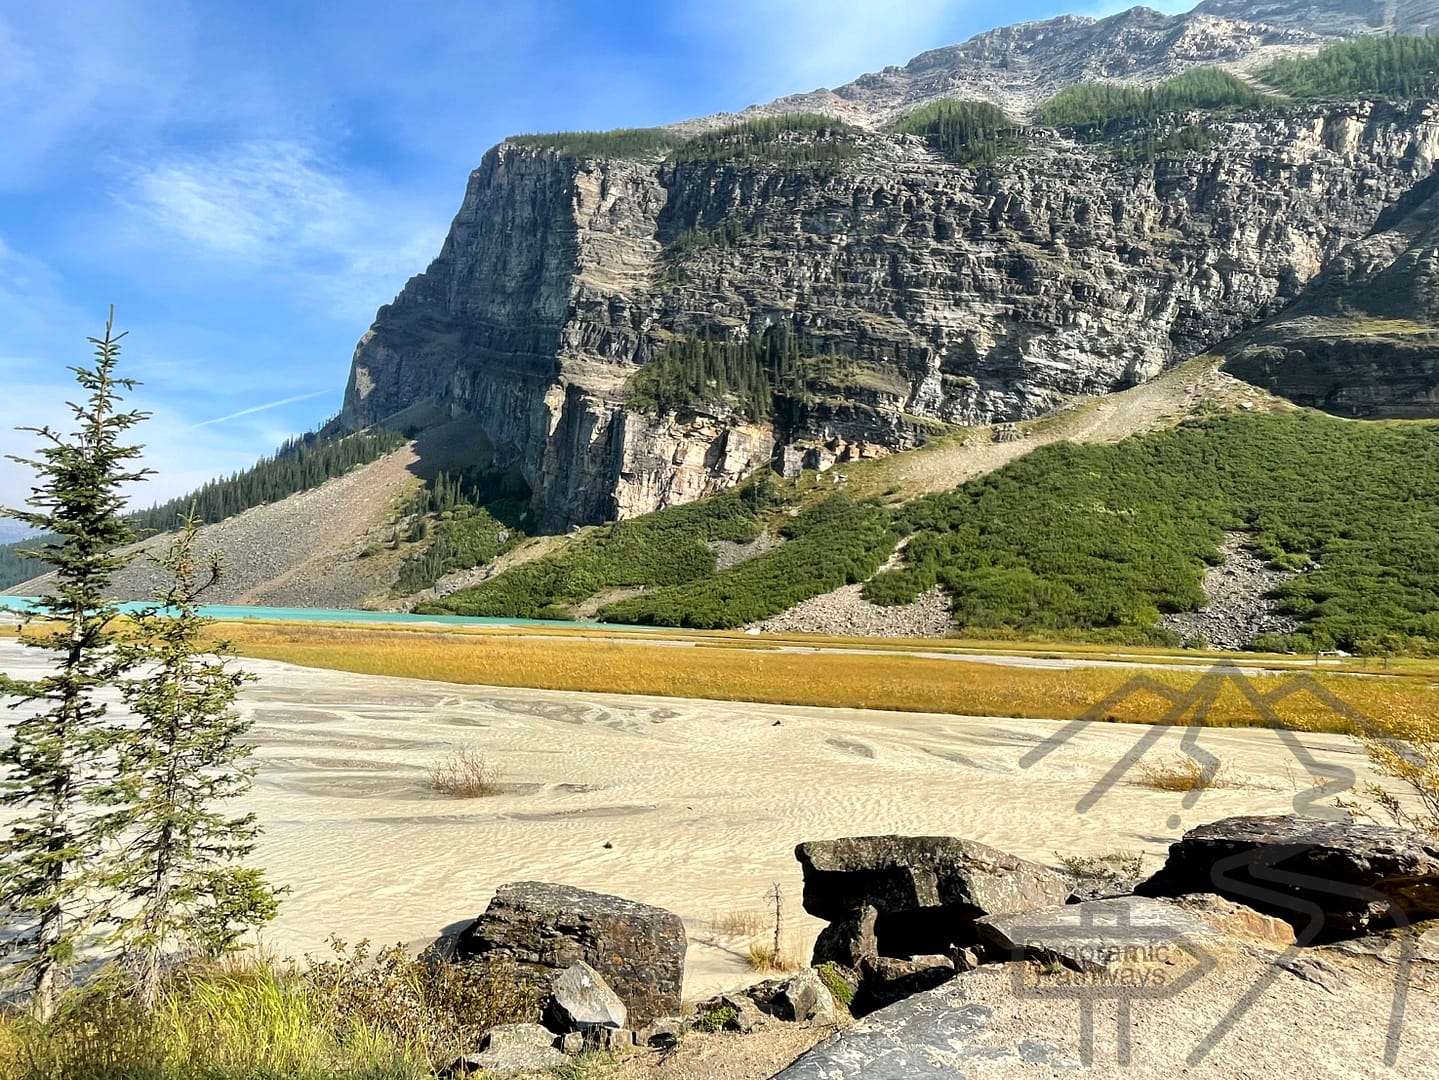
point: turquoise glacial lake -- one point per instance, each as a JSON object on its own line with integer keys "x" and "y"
{"x": 325, "y": 615}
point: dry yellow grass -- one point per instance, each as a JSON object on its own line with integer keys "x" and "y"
{"x": 1180, "y": 774}
{"x": 870, "y": 681}
{"x": 763, "y": 958}
{"x": 737, "y": 922}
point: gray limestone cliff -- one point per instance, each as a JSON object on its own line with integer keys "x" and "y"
{"x": 958, "y": 295}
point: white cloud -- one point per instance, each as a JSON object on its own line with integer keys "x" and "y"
{"x": 276, "y": 207}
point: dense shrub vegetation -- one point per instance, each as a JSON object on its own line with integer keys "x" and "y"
{"x": 1094, "y": 105}
{"x": 467, "y": 520}
{"x": 1110, "y": 536}
{"x": 794, "y": 141}
{"x": 838, "y": 542}
{"x": 300, "y": 464}
{"x": 965, "y": 132}
{"x": 749, "y": 375}
{"x": 1406, "y": 68}
{"x": 663, "y": 548}
{"x": 620, "y": 143}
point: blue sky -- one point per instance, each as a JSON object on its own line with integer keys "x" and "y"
{"x": 248, "y": 181}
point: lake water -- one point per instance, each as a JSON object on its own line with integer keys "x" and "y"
{"x": 325, "y": 615}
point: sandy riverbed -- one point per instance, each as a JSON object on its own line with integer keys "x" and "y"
{"x": 692, "y": 805}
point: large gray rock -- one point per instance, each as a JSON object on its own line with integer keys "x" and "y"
{"x": 509, "y": 1050}
{"x": 926, "y": 890}
{"x": 637, "y": 949}
{"x": 1099, "y": 935}
{"x": 886, "y": 979}
{"x": 1328, "y": 879}
{"x": 805, "y": 997}
{"x": 937, "y": 1035}
{"x": 580, "y": 999}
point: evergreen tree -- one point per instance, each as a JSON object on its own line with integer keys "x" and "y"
{"x": 53, "y": 765}
{"x": 177, "y": 869}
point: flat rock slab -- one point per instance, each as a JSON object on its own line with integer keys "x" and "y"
{"x": 580, "y": 999}
{"x": 638, "y": 949}
{"x": 1100, "y": 935}
{"x": 929, "y": 1036}
{"x": 924, "y": 889}
{"x": 510, "y": 1050}
{"x": 902, "y": 873}
{"x": 1328, "y": 879}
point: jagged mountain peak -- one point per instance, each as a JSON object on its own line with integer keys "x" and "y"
{"x": 1017, "y": 67}
{"x": 1337, "y": 18}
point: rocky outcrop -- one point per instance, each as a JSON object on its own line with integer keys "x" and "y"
{"x": 1363, "y": 338}
{"x": 916, "y": 878}
{"x": 901, "y": 909}
{"x": 637, "y": 950}
{"x": 955, "y": 295}
{"x": 1327, "y": 879}
{"x": 1098, "y": 935}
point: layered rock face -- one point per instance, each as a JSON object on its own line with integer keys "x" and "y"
{"x": 957, "y": 295}
{"x": 1363, "y": 339}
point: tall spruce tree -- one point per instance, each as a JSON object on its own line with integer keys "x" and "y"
{"x": 177, "y": 870}
{"x": 56, "y": 763}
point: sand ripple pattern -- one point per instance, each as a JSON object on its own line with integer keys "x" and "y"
{"x": 692, "y": 805}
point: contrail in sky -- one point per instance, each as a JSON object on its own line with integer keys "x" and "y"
{"x": 259, "y": 408}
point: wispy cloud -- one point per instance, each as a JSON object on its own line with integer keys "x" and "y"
{"x": 67, "y": 70}
{"x": 278, "y": 207}
{"x": 252, "y": 410}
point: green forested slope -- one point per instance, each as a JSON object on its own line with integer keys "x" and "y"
{"x": 1106, "y": 537}
{"x": 1091, "y": 541}
{"x": 659, "y": 549}
{"x": 300, "y": 464}
{"x": 1406, "y": 68}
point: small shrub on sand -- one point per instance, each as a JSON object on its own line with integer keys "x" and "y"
{"x": 1180, "y": 774}
{"x": 738, "y": 923}
{"x": 465, "y": 773}
{"x": 1111, "y": 864}
{"x": 1406, "y": 749}
{"x": 763, "y": 957}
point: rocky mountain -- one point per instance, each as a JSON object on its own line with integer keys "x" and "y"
{"x": 939, "y": 293}
{"x": 1363, "y": 339}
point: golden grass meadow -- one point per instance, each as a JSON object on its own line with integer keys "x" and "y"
{"x": 727, "y": 669}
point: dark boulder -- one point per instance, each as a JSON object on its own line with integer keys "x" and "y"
{"x": 637, "y": 949}
{"x": 849, "y": 941}
{"x": 1327, "y": 879}
{"x": 926, "y": 890}
{"x": 887, "y": 979}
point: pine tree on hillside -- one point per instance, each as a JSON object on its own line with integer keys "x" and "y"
{"x": 53, "y": 767}
{"x": 178, "y": 868}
